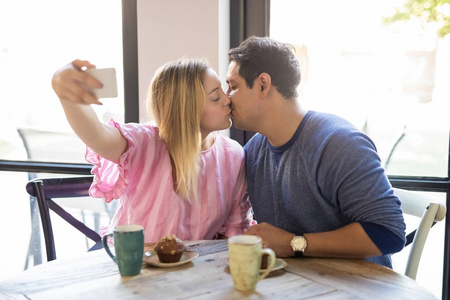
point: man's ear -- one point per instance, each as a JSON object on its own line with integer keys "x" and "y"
{"x": 264, "y": 83}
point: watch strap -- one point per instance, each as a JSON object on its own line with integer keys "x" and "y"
{"x": 298, "y": 253}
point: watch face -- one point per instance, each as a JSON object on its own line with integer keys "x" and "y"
{"x": 298, "y": 243}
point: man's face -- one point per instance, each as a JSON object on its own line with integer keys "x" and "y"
{"x": 244, "y": 101}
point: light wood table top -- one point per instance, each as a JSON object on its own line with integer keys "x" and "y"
{"x": 95, "y": 276}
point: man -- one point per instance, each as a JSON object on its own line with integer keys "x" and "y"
{"x": 315, "y": 182}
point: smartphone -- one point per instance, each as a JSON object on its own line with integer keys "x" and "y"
{"x": 107, "y": 76}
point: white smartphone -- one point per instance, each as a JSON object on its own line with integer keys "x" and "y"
{"x": 106, "y": 76}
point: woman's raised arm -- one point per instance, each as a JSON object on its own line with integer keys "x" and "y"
{"x": 71, "y": 84}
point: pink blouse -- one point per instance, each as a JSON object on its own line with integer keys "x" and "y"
{"x": 142, "y": 182}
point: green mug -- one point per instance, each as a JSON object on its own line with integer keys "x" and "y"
{"x": 129, "y": 248}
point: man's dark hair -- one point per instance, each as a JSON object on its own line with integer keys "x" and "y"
{"x": 258, "y": 55}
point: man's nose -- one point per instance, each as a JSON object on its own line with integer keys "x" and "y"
{"x": 228, "y": 100}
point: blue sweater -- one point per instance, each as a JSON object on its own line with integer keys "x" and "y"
{"x": 327, "y": 176}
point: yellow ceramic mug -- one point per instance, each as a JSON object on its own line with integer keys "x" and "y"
{"x": 245, "y": 252}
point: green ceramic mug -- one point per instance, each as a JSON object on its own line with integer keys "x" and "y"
{"x": 129, "y": 248}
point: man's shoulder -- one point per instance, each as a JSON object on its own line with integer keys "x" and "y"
{"x": 322, "y": 126}
{"x": 255, "y": 149}
{"x": 255, "y": 142}
{"x": 324, "y": 119}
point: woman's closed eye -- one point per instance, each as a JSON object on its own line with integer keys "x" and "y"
{"x": 217, "y": 95}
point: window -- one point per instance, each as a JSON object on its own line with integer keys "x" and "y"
{"x": 36, "y": 39}
{"x": 390, "y": 81}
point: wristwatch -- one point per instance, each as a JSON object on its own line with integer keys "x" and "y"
{"x": 298, "y": 244}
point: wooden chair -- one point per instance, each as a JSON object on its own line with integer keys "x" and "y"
{"x": 430, "y": 210}
{"x": 47, "y": 189}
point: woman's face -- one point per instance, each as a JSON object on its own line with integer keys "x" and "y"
{"x": 216, "y": 110}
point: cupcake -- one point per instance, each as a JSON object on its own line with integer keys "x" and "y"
{"x": 169, "y": 249}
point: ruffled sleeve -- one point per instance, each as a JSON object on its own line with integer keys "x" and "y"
{"x": 110, "y": 179}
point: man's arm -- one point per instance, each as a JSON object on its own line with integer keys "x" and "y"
{"x": 348, "y": 241}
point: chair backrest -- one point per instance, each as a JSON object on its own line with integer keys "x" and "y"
{"x": 430, "y": 210}
{"x": 47, "y": 189}
{"x": 43, "y": 145}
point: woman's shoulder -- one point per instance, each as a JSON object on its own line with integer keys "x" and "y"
{"x": 135, "y": 129}
{"x": 225, "y": 153}
{"x": 148, "y": 126}
{"x": 228, "y": 143}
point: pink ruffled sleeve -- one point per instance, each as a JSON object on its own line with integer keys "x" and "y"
{"x": 110, "y": 179}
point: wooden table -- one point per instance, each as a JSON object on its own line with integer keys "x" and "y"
{"x": 95, "y": 276}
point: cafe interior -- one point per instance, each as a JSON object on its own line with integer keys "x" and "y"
{"x": 385, "y": 72}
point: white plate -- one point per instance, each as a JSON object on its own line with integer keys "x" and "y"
{"x": 151, "y": 258}
{"x": 279, "y": 264}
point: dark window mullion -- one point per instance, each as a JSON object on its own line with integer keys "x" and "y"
{"x": 247, "y": 18}
{"x": 130, "y": 60}
{"x": 446, "y": 268}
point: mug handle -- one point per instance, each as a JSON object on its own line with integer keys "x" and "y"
{"x": 105, "y": 245}
{"x": 272, "y": 259}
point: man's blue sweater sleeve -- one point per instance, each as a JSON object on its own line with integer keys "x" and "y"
{"x": 386, "y": 241}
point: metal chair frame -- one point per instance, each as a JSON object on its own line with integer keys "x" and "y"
{"x": 45, "y": 189}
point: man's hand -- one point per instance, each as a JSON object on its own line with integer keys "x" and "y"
{"x": 275, "y": 238}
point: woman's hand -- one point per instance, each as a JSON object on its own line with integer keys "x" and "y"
{"x": 71, "y": 83}
{"x": 275, "y": 238}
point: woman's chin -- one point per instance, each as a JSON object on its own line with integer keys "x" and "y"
{"x": 225, "y": 125}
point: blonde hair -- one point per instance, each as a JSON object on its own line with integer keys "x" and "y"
{"x": 176, "y": 99}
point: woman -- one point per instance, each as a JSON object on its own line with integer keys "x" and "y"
{"x": 176, "y": 177}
